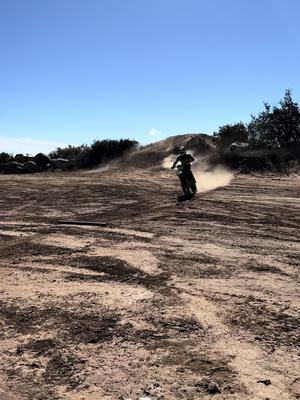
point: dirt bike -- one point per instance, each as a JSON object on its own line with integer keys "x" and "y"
{"x": 186, "y": 179}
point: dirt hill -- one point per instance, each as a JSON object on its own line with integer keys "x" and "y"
{"x": 155, "y": 153}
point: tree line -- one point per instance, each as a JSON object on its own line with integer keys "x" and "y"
{"x": 83, "y": 156}
{"x": 99, "y": 152}
{"x": 275, "y": 127}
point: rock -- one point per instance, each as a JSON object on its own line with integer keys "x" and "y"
{"x": 41, "y": 160}
{"x": 238, "y": 146}
{"x": 209, "y": 386}
{"x": 20, "y": 158}
{"x": 12, "y": 167}
{"x": 213, "y": 388}
{"x": 266, "y": 382}
{"x": 19, "y": 351}
{"x": 59, "y": 163}
{"x": 31, "y": 166}
{"x": 33, "y": 365}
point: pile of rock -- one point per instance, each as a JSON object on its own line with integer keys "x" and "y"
{"x": 40, "y": 162}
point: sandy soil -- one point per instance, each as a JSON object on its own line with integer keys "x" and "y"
{"x": 194, "y": 300}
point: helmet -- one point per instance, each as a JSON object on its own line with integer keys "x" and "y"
{"x": 182, "y": 150}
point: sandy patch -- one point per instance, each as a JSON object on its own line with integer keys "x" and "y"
{"x": 138, "y": 258}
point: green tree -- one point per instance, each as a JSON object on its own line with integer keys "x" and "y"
{"x": 278, "y": 126}
{"x": 106, "y": 150}
{"x": 228, "y": 134}
{"x": 100, "y": 151}
{"x": 5, "y": 157}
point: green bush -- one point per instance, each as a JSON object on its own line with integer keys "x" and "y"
{"x": 284, "y": 160}
{"x": 5, "y": 157}
{"x": 228, "y": 134}
{"x": 101, "y": 151}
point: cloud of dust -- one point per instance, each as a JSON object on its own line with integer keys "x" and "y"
{"x": 206, "y": 179}
{"x": 104, "y": 167}
{"x": 168, "y": 161}
{"x": 213, "y": 179}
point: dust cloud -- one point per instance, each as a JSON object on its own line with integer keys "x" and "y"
{"x": 210, "y": 180}
{"x": 103, "y": 167}
{"x": 168, "y": 161}
{"x": 207, "y": 179}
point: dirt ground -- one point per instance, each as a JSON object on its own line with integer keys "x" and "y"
{"x": 193, "y": 300}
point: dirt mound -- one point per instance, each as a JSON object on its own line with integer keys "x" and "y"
{"x": 155, "y": 153}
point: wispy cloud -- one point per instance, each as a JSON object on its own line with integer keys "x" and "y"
{"x": 154, "y": 132}
{"x": 27, "y": 145}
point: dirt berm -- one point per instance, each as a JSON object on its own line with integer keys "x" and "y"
{"x": 154, "y": 153}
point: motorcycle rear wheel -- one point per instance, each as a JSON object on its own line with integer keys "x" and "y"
{"x": 194, "y": 188}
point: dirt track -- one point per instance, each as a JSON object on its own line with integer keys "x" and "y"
{"x": 194, "y": 300}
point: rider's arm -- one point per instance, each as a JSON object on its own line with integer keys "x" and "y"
{"x": 175, "y": 162}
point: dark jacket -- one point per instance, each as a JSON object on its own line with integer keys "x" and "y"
{"x": 185, "y": 160}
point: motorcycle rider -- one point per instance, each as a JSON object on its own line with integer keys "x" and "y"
{"x": 185, "y": 160}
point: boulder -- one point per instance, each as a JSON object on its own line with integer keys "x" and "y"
{"x": 12, "y": 167}
{"x": 238, "y": 146}
{"x": 20, "y": 158}
{"x": 31, "y": 166}
{"x": 41, "y": 160}
{"x": 59, "y": 163}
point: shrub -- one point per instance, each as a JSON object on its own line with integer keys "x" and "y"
{"x": 5, "y": 157}
{"x": 106, "y": 150}
{"x": 21, "y": 158}
{"x": 228, "y": 134}
{"x": 101, "y": 151}
{"x": 264, "y": 160}
{"x": 77, "y": 155}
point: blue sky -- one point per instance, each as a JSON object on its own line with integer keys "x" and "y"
{"x": 72, "y": 71}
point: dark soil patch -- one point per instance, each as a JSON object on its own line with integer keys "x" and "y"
{"x": 294, "y": 259}
{"x": 91, "y": 328}
{"x": 269, "y": 327}
{"x": 201, "y": 259}
{"x": 28, "y": 390}
{"x": 214, "y": 369}
{"x": 6, "y": 238}
{"x": 151, "y": 339}
{"x": 84, "y": 277}
{"x": 22, "y": 320}
{"x": 39, "y": 347}
{"x": 114, "y": 269}
{"x": 265, "y": 268}
{"x": 63, "y": 369}
{"x": 164, "y": 330}
{"x": 35, "y": 270}
{"x": 196, "y": 267}
{"x": 25, "y": 248}
{"x": 74, "y": 327}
